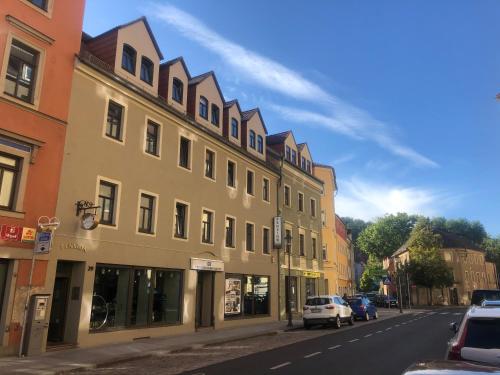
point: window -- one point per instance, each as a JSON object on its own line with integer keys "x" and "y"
{"x": 308, "y": 163}
{"x": 231, "y": 173}
{"x": 234, "y": 128}
{"x": 260, "y": 144}
{"x": 147, "y": 70}
{"x": 313, "y": 245}
{"x": 265, "y": 240}
{"x": 135, "y": 296}
{"x": 252, "y": 139}
{"x": 129, "y": 56}
{"x": 207, "y": 226}
{"x": 210, "y": 164}
{"x": 246, "y": 295}
{"x": 152, "y": 138}
{"x": 310, "y": 287}
{"x": 325, "y": 252}
{"x": 42, "y": 4}
{"x": 313, "y": 207}
{"x": 215, "y": 115}
{"x": 287, "y": 196}
{"x": 249, "y": 237}
{"x": 184, "y": 150}
{"x": 230, "y": 240}
{"x": 203, "y": 110}
{"x": 288, "y": 234}
{"x": 303, "y": 163}
{"x": 302, "y": 250}
{"x": 107, "y": 203}
{"x": 9, "y": 172}
{"x": 177, "y": 90}
{"x": 114, "y": 121}
{"x": 21, "y": 71}
{"x": 181, "y": 212}
{"x": 288, "y": 153}
{"x": 294, "y": 157}
{"x": 301, "y": 202}
{"x": 250, "y": 178}
{"x": 146, "y": 214}
{"x": 265, "y": 189}
{"x": 323, "y": 218}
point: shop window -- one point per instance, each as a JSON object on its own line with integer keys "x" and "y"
{"x": 310, "y": 287}
{"x": 247, "y": 295}
{"x": 167, "y": 297}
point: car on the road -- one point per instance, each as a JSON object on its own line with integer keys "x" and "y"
{"x": 449, "y": 368}
{"x": 372, "y": 296}
{"x": 388, "y": 301}
{"x": 327, "y": 310}
{"x": 479, "y": 295}
{"x": 477, "y": 339}
{"x": 487, "y": 303}
{"x": 363, "y": 308}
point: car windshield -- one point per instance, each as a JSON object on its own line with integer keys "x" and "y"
{"x": 483, "y": 333}
{"x": 318, "y": 301}
{"x": 479, "y": 295}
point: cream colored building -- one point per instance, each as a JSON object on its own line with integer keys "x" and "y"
{"x": 328, "y": 231}
{"x": 299, "y": 196}
{"x": 344, "y": 258}
{"x": 184, "y": 194}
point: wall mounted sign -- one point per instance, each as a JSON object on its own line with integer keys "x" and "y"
{"x": 277, "y": 232}
{"x": 312, "y": 274}
{"x": 11, "y": 233}
{"x": 28, "y": 235}
{"x": 89, "y": 221}
{"x": 42, "y": 242}
{"x": 73, "y": 246}
{"x": 207, "y": 264}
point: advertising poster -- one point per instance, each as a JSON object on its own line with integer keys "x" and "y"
{"x": 233, "y": 297}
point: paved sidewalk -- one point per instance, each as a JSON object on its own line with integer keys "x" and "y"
{"x": 76, "y": 359}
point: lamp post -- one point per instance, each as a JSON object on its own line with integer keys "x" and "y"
{"x": 288, "y": 238}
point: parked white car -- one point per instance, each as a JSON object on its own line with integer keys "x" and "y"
{"x": 477, "y": 338}
{"x": 327, "y": 310}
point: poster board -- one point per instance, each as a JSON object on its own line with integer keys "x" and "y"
{"x": 232, "y": 303}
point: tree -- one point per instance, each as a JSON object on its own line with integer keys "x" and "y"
{"x": 473, "y": 230}
{"x": 492, "y": 248}
{"x": 427, "y": 267}
{"x": 382, "y": 238}
{"x": 372, "y": 274}
{"x": 356, "y": 226}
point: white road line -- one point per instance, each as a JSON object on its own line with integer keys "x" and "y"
{"x": 444, "y": 313}
{"x": 334, "y": 347}
{"x": 457, "y": 313}
{"x": 397, "y": 325}
{"x": 353, "y": 340}
{"x": 280, "y": 365}
{"x": 378, "y": 332}
{"x": 388, "y": 329}
{"x": 368, "y": 335}
{"x": 312, "y": 354}
{"x": 403, "y": 323}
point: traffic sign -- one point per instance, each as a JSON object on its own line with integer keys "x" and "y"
{"x": 42, "y": 242}
{"x": 387, "y": 280}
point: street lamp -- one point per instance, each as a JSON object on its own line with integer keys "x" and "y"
{"x": 288, "y": 239}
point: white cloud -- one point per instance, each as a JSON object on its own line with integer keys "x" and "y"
{"x": 338, "y": 115}
{"x": 343, "y": 159}
{"x": 368, "y": 199}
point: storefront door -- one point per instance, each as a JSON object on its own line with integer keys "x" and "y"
{"x": 205, "y": 299}
{"x": 58, "y": 310}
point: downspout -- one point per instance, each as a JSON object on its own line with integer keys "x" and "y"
{"x": 278, "y": 212}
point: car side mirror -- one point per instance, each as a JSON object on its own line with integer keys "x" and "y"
{"x": 454, "y": 327}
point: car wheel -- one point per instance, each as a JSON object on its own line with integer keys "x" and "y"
{"x": 351, "y": 320}
{"x": 306, "y": 325}
{"x": 376, "y": 315}
{"x": 367, "y": 317}
{"x": 338, "y": 323}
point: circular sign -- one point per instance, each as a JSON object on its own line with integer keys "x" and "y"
{"x": 89, "y": 221}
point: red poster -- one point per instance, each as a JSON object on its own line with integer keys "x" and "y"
{"x": 11, "y": 233}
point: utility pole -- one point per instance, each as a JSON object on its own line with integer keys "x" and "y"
{"x": 400, "y": 295}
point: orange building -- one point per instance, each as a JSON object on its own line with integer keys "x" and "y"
{"x": 38, "y": 43}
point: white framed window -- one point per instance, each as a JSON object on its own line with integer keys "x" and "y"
{"x": 231, "y": 179}
{"x": 250, "y": 182}
{"x": 300, "y": 197}
{"x": 181, "y": 220}
{"x": 152, "y": 137}
{"x": 287, "y": 196}
{"x": 115, "y": 121}
{"x": 230, "y": 232}
{"x": 249, "y": 236}
{"x": 146, "y": 213}
{"x": 185, "y": 152}
{"x": 266, "y": 240}
{"x": 207, "y": 226}
{"x": 313, "y": 207}
{"x": 108, "y": 193}
{"x": 210, "y": 164}
{"x": 266, "y": 190}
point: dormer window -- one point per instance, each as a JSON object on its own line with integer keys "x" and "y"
{"x": 308, "y": 166}
{"x": 129, "y": 56}
{"x": 215, "y": 115}
{"x": 203, "y": 110}
{"x": 303, "y": 163}
{"x": 294, "y": 157}
{"x": 147, "y": 69}
{"x": 177, "y": 90}
{"x": 234, "y": 128}
{"x": 260, "y": 144}
{"x": 288, "y": 153}
{"x": 252, "y": 139}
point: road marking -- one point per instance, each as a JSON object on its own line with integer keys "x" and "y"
{"x": 334, "y": 347}
{"x": 353, "y": 340}
{"x": 444, "y": 313}
{"x": 312, "y": 354}
{"x": 403, "y": 323}
{"x": 457, "y": 313}
{"x": 280, "y": 365}
{"x": 378, "y": 332}
{"x": 388, "y": 329}
{"x": 397, "y": 325}
{"x": 368, "y": 335}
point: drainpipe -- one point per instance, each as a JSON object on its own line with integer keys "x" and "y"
{"x": 278, "y": 212}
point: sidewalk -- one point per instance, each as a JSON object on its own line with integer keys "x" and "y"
{"x": 74, "y": 359}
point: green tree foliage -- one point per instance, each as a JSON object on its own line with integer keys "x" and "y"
{"x": 387, "y": 234}
{"x": 473, "y": 230}
{"x": 492, "y": 248}
{"x": 372, "y": 274}
{"x": 427, "y": 267}
{"x": 356, "y": 226}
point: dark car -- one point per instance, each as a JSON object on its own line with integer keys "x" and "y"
{"x": 389, "y": 301}
{"x": 362, "y": 308}
{"x": 479, "y": 295}
{"x": 449, "y": 368}
{"x": 372, "y": 296}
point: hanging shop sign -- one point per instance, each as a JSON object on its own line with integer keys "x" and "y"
{"x": 207, "y": 264}
{"x": 11, "y": 233}
{"x": 232, "y": 303}
{"x": 28, "y": 235}
{"x": 278, "y": 232}
{"x": 315, "y": 275}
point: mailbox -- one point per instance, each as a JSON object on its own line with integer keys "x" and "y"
{"x": 36, "y": 324}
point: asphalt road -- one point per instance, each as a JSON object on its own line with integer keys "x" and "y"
{"x": 386, "y": 348}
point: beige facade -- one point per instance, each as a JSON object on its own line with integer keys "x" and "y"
{"x": 344, "y": 259}
{"x": 182, "y": 242}
{"x": 328, "y": 232}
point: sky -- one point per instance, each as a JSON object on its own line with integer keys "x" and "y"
{"x": 398, "y": 96}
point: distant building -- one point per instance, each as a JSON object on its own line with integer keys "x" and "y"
{"x": 345, "y": 258}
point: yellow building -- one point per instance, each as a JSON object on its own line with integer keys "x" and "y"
{"x": 328, "y": 230}
{"x": 344, "y": 258}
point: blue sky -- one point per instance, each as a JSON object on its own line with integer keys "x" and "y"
{"x": 398, "y": 96}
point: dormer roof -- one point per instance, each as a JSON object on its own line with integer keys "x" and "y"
{"x": 278, "y": 138}
{"x": 200, "y": 78}
{"x": 230, "y": 103}
{"x": 176, "y": 60}
{"x": 247, "y": 115}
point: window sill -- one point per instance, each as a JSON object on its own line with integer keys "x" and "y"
{"x": 12, "y": 214}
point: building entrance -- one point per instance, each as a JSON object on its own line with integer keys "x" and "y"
{"x": 205, "y": 299}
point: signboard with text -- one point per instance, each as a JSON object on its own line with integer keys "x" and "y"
{"x": 11, "y": 233}
{"x": 277, "y": 232}
{"x": 42, "y": 242}
{"x": 207, "y": 264}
